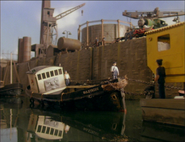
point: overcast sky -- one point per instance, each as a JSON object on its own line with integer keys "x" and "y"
{"x": 22, "y": 18}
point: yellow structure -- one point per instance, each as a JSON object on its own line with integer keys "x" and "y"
{"x": 167, "y": 43}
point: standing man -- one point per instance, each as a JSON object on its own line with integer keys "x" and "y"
{"x": 67, "y": 77}
{"x": 103, "y": 41}
{"x": 96, "y": 41}
{"x": 127, "y": 35}
{"x": 131, "y": 34}
{"x": 115, "y": 71}
{"x": 160, "y": 78}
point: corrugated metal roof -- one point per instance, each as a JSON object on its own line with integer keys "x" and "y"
{"x": 164, "y": 28}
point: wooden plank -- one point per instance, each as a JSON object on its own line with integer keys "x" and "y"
{"x": 168, "y": 116}
{"x": 163, "y": 103}
{"x": 81, "y": 86}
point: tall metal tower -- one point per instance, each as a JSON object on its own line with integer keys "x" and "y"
{"x": 49, "y": 33}
{"x": 45, "y": 4}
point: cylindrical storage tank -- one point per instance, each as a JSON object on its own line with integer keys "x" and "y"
{"x": 20, "y": 49}
{"x": 26, "y": 49}
{"x": 110, "y": 31}
{"x": 69, "y": 44}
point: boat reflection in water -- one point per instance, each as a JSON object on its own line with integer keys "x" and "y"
{"x": 100, "y": 126}
{"x": 35, "y": 125}
{"x": 46, "y": 128}
{"x": 20, "y": 123}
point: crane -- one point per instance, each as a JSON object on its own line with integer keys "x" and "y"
{"x": 61, "y": 15}
{"x": 151, "y": 19}
{"x": 49, "y": 33}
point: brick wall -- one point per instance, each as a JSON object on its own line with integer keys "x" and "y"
{"x": 95, "y": 63}
{"x": 76, "y": 63}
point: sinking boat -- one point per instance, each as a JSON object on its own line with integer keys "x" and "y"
{"x": 47, "y": 85}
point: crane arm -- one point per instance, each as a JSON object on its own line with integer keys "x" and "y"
{"x": 134, "y": 15}
{"x": 170, "y": 14}
{"x": 61, "y": 15}
{"x": 152, "y": 14}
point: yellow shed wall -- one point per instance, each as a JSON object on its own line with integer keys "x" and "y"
{"x": 174, "y": 58}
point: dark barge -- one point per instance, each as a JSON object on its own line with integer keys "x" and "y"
{"x": 47, "y": 85}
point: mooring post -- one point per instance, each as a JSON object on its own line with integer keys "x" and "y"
{"x": 123, "y": 100}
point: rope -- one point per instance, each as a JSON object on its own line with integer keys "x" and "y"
{"x": 123, "y": 91}
{"x": 152, "y": 83}
{"x": 134, "y": 80}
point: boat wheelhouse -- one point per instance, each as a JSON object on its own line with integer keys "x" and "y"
{"x": 46, "y": 79}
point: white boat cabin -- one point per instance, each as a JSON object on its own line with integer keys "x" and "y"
{"x": 46, "y": 79}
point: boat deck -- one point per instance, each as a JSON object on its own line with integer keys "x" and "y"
{"x": 80, "y": 86}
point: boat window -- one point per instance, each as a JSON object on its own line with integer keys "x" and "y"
{"x": 60, "y": 133}
{"x": 43, "y": 129}
{"x": 39, "y": 128}
{"x": 56, "y": 72}
{"x": 39, "y": 77}
{"x": 60, "y": 71}
{"x": 52, "y": 73}
{"x": 56, "y": 132}
{"x": 47, "y": 74}
{"x": 164, "y": 42}
{"x": 47, "y": 131}
{"x": 43, "y": 75}
{"x": 52, "y": 130}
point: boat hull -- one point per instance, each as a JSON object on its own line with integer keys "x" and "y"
{"x": 168, "y": 111}
{"x": 102, "y": 101}
{"x": 94, "y": 98}
{"x": 14, "y": 89}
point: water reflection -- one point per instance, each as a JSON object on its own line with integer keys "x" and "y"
{"x": 43, "y": 125}
{"x": 70, "y": 126}
{"x": 162, "y": 132}
{"x": 20, "y": 123}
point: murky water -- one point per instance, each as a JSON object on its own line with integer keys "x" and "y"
{"x": 20, "y": 123}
